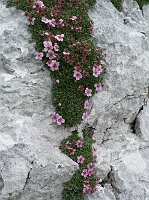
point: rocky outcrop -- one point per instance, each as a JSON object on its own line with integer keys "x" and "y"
{"x": 121, "y": 108}
{"x": 31, "y": 164}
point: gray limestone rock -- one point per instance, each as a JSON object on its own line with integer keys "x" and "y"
{"x": 105, "y": 193}
{"x": 31, "y": 164}
{"x": 121, "y": 106}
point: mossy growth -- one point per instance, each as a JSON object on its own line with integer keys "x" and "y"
{"x": 142, "y": 3}
{"x": 49, "y": 20}
{"x": 117, "y": 4}
{"x": 74, "y": 146}
{"x": 69, "y": 95}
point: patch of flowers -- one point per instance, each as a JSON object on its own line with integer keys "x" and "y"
{"x": 56, "y": 118}
{"x": 80, "y": 150}
{"x": 62, "y": 31}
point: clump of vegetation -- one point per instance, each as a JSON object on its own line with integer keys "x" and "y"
{"x": 80, "y": 150}
{"x": 62, "y": 32}
{"x": 117, "y": 4}
{"x": 142, "y": 3}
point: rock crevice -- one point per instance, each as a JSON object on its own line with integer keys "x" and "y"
{"x": 26, "y": 133}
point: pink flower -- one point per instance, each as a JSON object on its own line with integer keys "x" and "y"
{"x": 48, "y": 45}
{"x": 38, "y": 55}
{"x": 52, "y": 22}
{"x": 31, "y": 21}
{"x": 54, "y": 117}
{"x": 61, "y": 22}
{"x": 59, "y": 37}
{"x": 97, "y": 70}
{"x": 79, "y": 29}
{"x": 80, "y": 159}
{"x": 86, "y": 188}
{"x": 54, "y": 65}
{"x": 60, "y": 120}
{"x": 46, "y": 33}
{"x": 98, "y": 86}
{"x": 73, "y": 18}
{"x": 87, "y": 105}
{"x": 50, "y": 54}
{"x": 56, "y": 47}
{"x": 85, "y": 117}
{"x": 72, "y": 151}
{"x": 57, "y": 56}
{"x": 88, "y": 92}
{"x": 94, "y": 190}
{"x": 84, "y": 173}
{"x": 66, "y": 52}
{"x": 39, "y": 4}
{"x": 90, "y": 169}
{"x": 90, "y": 172}
{"x": 45, "y": 20}
{"x": 68, "y": 145}
{"x": 95, "y": 159}
{"x": 79, "y": 143}
{"x": 77, "y": 74}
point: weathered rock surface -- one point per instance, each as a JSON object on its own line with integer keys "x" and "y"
{"x": 105, "y": 193}
{"x": 31, "y": 164}
{"x": 142, "y": 124}
{"x": 121, "y": 108}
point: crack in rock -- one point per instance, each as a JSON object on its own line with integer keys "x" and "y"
{"x": 134, "y": 124}
{"x": 141, "y": 124}
{"x": 27, "y": 179}
{"x": 127, "y": 97}
{"x": 105, "y": 136}
{"x": 1, "y": 183}
{"x": 112, "y": 181}
{"x": 28, "y": 176}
